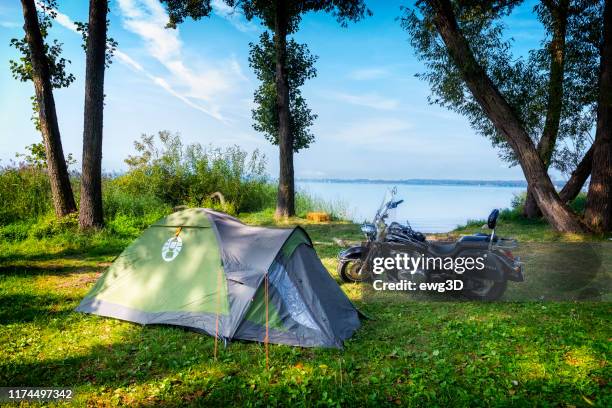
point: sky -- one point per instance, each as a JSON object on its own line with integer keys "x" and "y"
{"x": 374, "y": 120}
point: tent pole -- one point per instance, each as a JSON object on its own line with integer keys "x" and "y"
{"x": 267, "y": 321}
{"x": 218, "y": 305}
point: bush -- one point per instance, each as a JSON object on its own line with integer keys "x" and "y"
{"x": 305, "y": 202}
{"x": 17, "y": 231}
{"x": 119, "y": 202}
{"x": 25, "y": 193}
{"x": 49, "y": 225}
{"x": 516, "y": 209}
{"x": 188, "y": 175}
{"x": 162, "y": 175}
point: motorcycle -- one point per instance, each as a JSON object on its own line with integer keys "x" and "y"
{"x": 488, "y": 283}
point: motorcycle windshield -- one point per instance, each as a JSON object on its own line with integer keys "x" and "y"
{"x": 387, "y": 197}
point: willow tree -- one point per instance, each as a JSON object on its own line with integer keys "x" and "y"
{"x": 283, "y": 19}
{"x": 552, "y": 90}
{"x": 497, "y": 111}
{"x": 41, "y": 62}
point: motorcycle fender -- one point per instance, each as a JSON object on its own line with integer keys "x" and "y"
{"x": 354, "y": 252}
{"x": 499, "y": 269}
{"x": 488, "y": 272}
{"x": 494, "y": 268}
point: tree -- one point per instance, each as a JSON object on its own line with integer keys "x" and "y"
{"x": 552, "y": 90}
{"x": 282, "y": 18}
{"x": 300, "y": 67}
{"x": 41, "y": 63}
{"x": 558, "y": 13}
{"x": 95, "y": 36}
{"x": 499, "y": 112}
{"x": 598, "y": 212}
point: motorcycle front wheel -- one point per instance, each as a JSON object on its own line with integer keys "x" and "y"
{"x": 484, "y": 289}
{"x": 350, "y": 271}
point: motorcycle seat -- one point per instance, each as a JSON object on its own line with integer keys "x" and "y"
{"x": 442, "y": 249}
{"x": 477, "y": 238}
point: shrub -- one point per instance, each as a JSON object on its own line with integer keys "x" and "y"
{"x": 49, "y": 225}
{"x": 516, "y": 209}
{"x": 188, "y": 175}
{"x": 17, "y": 231}
{"x": 117, "y": 201}
{"x": 305, "y": 202}
{"x": 25, "y": 192}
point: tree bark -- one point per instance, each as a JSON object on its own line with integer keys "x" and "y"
{"x": 61, "y": 190}
{"x": 598, "y": 212}
{"x": 90, "y": 212}
{"x": 504, "y": 119}
{"x": 546, "y": 144}
{"x": 579, "y": 176}
{"x": 285, "y": 204}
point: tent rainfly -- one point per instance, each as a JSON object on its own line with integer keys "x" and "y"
{"x": 209, "y": 272}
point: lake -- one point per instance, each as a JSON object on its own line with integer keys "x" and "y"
{"x": 429, "y": 208}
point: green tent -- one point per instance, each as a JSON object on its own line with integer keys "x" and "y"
{"x": 209, "y": 272}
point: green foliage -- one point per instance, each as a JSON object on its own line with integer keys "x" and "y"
{"x": 118, "y": 201}
{"x": 188, "y": 175}
{"x": 344, "y": 11}
{"x": 21, "y": 69}
{"x": 111, "y": 43}
{"x": 25, "y": 192}
{"x": 37, "y": 156}
{"x": 299, "y": 67}
{"x": 577, "y": 205}
{"x": 523, "y": 80}
{"x": 305, "y": 203}
{"x": 513, "y": 224}
{"x": 49, "y": 225}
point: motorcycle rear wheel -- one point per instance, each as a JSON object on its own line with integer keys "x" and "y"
{"x": 485, "y": 290}
{"x": 349, "y": 271}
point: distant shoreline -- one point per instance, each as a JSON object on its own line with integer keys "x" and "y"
{"x": 427, "y": 182}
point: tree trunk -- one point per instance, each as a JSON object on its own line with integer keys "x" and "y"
{"x": 598, "y": 212}
{"x": 501, "y": 115}
{"x": 579, "y": 176}
{"x": 90, "y": 212}
{"x": 61, "y": 190}
{"x": 285, "y": 204}
{"x": 530, "y": 207}
{"x": 546, "y": 145}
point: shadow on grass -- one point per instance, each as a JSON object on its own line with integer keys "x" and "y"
{"x": 24, "y": 308}
{"x": 53, "y": 269}
{"x": 146, "y": 355}
{"x": 89, "y": 251}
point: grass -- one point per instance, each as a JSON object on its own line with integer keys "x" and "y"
{"x": 435, "y": 352}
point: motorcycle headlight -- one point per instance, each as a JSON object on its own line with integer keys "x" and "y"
{"x": 368, "y": 229}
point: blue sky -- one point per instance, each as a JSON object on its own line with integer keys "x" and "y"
{"x": 374, "y": 120}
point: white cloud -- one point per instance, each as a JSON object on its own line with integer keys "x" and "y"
{"x": 369, "y": 100}
{"x": 161, "y": 47}
{"x": 206, "y": 83}
{"x": 234, "y": 16}
{"x": 364, "y": 74}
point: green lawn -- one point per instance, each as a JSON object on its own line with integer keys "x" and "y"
{"x": 436, "y": 351}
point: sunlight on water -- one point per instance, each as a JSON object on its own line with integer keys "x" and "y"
{"x": 429, "y": 208}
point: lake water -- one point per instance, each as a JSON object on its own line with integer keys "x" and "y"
{"x": 429, "y": 208}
